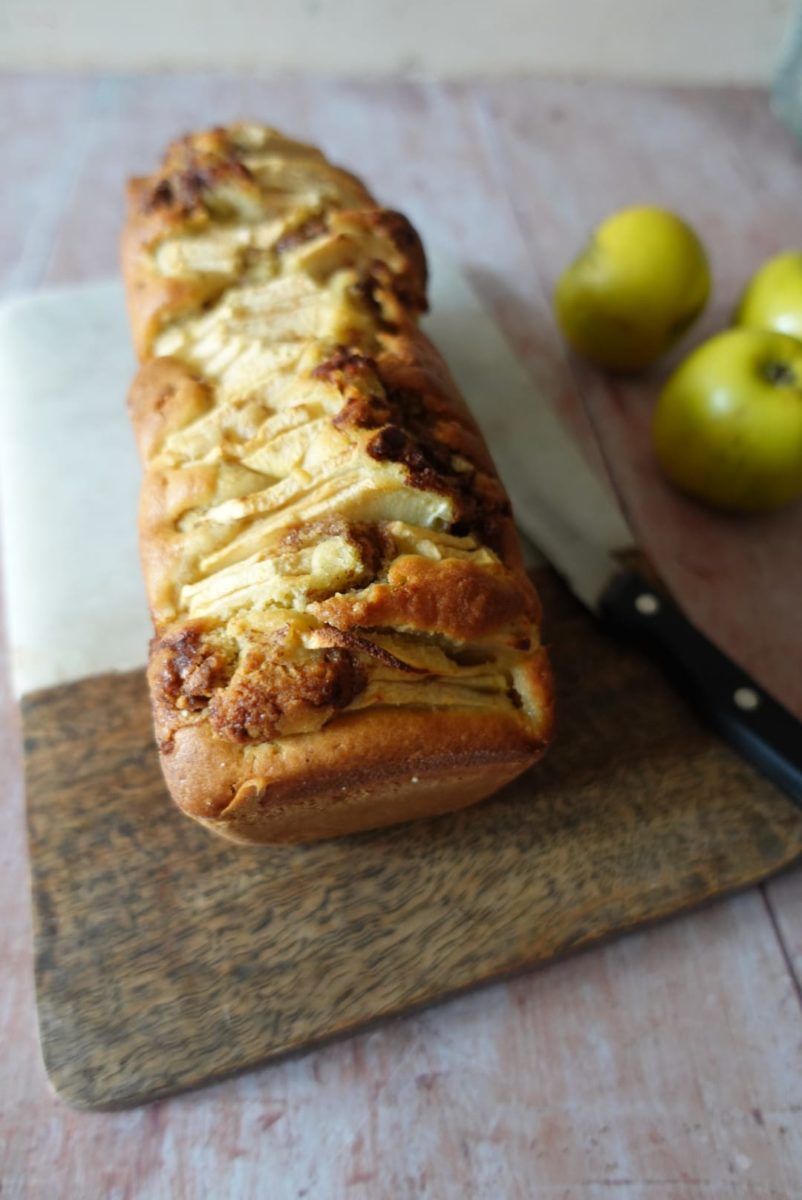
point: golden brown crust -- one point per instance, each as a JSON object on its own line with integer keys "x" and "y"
{"x": 164, "y": 396}
{"x": 330, "y": 558}
{"x": 363, "y": 771}
{"x": 460, "y": 600}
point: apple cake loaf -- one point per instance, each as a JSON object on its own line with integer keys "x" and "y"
{"x": 345, "y": 636}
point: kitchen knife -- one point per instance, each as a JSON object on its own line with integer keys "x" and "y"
{"x": 756, "y": 725}
{"x": 572, "y": 516}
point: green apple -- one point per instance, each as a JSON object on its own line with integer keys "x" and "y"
{"x": 640, "y": 282}
{"x": 728, "y": 424}
{"x": 773, "y": 297}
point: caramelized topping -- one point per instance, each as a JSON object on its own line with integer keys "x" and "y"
{"x": 333, "y": 531}
{"x": 273, "y": 694}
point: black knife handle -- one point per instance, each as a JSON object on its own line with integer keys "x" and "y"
{"x": 764, "y": 732}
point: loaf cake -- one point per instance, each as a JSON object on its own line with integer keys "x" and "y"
{"x": 344, "y": 633}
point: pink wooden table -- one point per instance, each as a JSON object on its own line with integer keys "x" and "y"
{"x": 666, "y": 1066}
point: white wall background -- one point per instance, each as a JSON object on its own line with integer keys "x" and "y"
{"x": 672, "y": 40}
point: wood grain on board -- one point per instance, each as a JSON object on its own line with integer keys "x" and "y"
{"x": 166, "y": 958}
{"x": 661, "y": 1066}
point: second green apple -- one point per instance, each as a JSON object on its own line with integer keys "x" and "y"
{"x": 773, "y": 297}
{"x": 640, "y": 282}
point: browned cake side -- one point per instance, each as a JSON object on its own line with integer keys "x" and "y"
{"x": 344, "y": 634}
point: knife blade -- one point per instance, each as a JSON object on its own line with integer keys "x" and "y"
{"x": 574, "y": 519}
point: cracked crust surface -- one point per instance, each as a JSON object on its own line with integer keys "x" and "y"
{"x": 344, "y": 634}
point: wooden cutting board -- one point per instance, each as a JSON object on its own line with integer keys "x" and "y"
{"x": 166, "y": 958}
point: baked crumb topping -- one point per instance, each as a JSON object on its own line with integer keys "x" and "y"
{"x": 336, "y": 535}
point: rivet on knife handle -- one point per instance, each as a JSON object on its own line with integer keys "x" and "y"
{"x": 760, "y": 728}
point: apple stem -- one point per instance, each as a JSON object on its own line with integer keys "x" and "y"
{"x": 780, "y": 374}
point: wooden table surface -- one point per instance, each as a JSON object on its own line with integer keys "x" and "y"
{"x": 665, "y": 1066}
